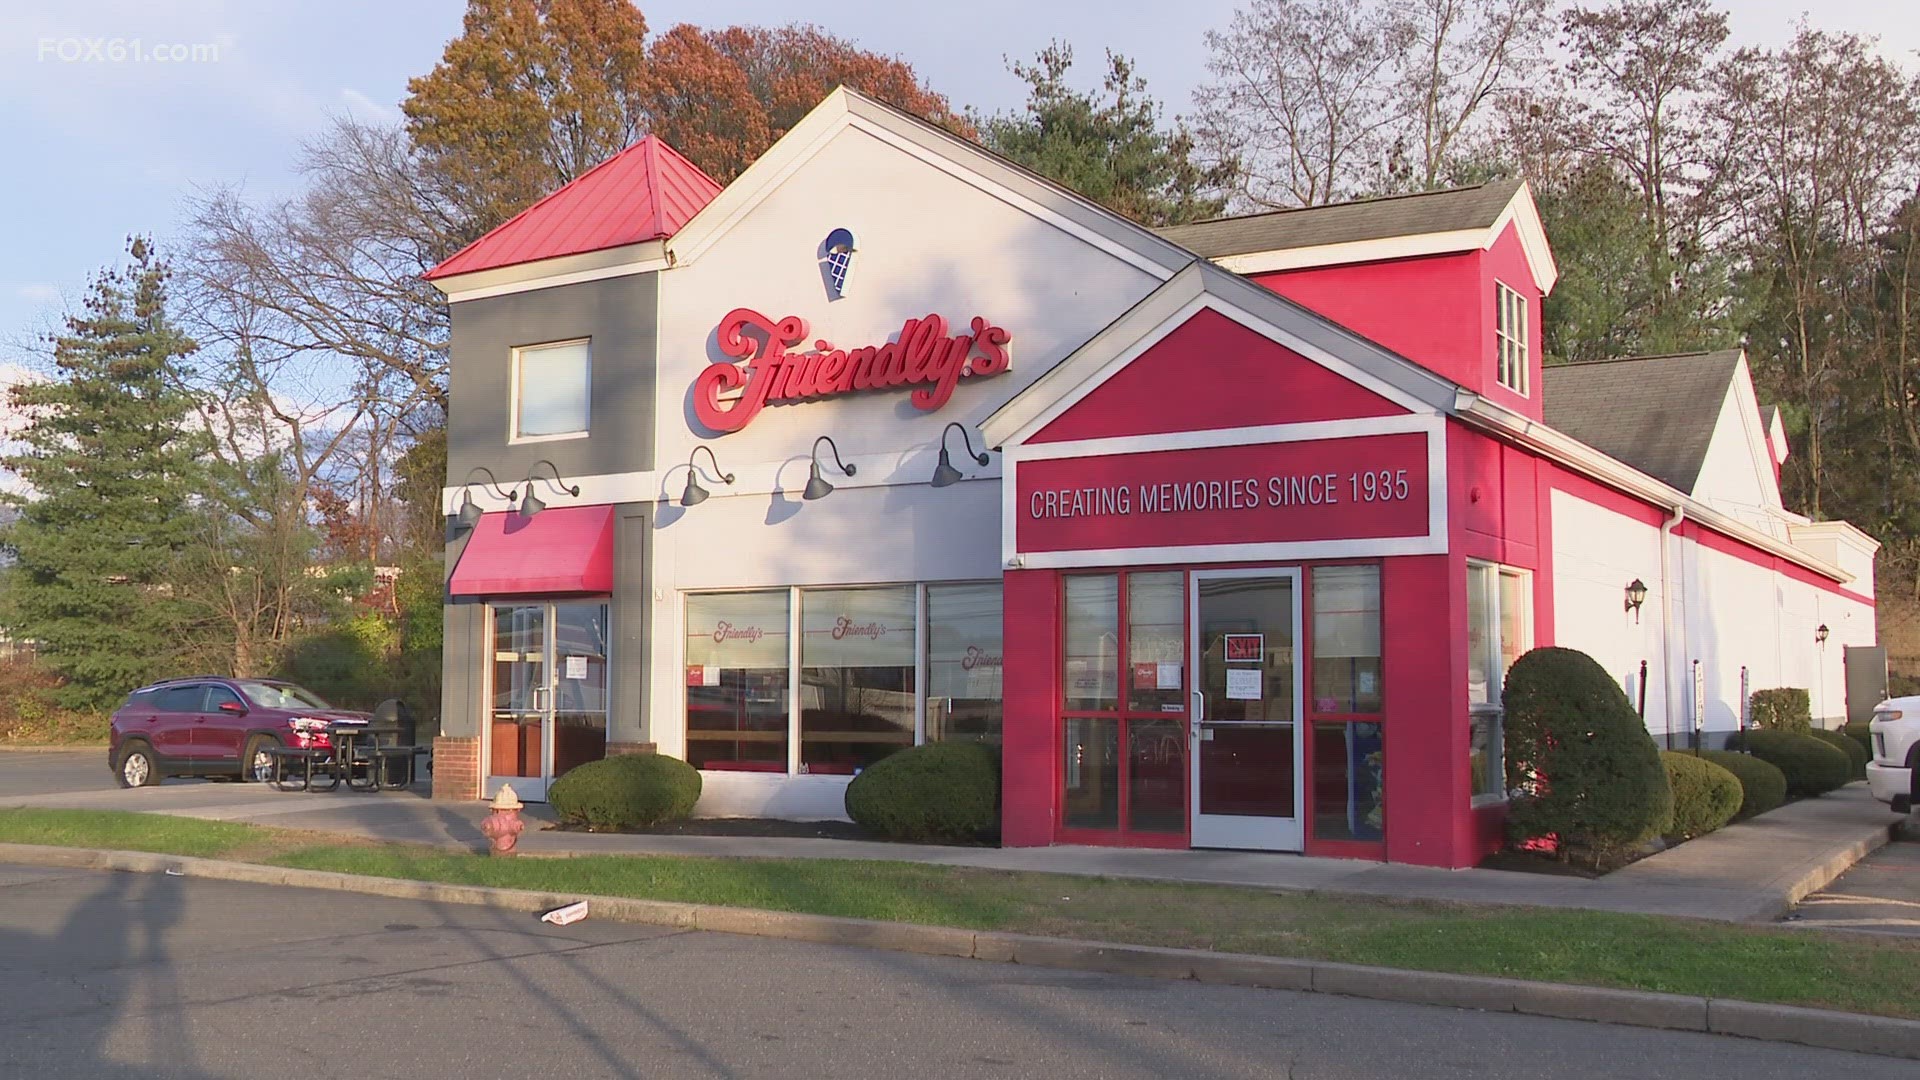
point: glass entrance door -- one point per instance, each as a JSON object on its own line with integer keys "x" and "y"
{"x": 1247, "y": 709}
{"x": 548, "y": 708}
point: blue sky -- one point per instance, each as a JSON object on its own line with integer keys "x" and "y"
{"x": 104, "y": 148}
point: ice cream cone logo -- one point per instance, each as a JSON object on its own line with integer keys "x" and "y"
{"x": 838, "y": 262}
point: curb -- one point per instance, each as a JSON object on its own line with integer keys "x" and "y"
{"x": 1828, "y": 871}
{"x": 50, "y": 748}
{"x": 1882, "y": 1035}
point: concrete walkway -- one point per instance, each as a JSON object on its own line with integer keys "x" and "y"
{"x": 1753, "y": 871}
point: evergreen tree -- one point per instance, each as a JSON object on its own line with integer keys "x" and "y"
{"x": 111, "y": 467}
{"x": 1109, "y": 148}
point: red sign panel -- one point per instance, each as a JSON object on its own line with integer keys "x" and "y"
{"x": 1370, "y": 486}
{"x": 1244, "y": 647}
{"x": 925, "y": 355}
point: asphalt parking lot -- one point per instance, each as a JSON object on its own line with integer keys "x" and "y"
{"x": 57, "y": 771}
{"x": 106, "y": 974}
{"x": 1880, "y": 895}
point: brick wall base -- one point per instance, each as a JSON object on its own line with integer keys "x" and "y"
{"x": 615, "y": 749}
{"x": 456, "y": 768}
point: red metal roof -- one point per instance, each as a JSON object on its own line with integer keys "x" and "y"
{"x": 645, "y": 192}
{"x": 563, "y": 549}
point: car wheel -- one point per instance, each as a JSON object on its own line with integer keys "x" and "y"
{"x": 137, "y": 767}
{"x": 256, "y": 760}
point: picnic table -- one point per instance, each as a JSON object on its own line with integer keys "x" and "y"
{"x": 367, "y": 757}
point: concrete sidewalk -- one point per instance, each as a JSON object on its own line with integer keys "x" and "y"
{"x": 1756, "y": 870}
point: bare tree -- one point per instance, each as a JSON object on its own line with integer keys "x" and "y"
{"x": 1462, "y": 55}
{"x": 1301, "y": 98}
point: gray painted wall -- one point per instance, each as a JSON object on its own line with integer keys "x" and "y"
{"x": 632, "y": 615}
{"x": 619, "y": 316}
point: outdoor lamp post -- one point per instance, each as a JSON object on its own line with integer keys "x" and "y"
{"x": 817, "y": 486}
{"x": 1636, "y": 595}
{"x": 694, "y": 494}
{"x": 944, "y": 473}
{"x": 531, "y": 504}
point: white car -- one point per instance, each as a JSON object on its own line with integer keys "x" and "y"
{"x": 1895, "y": 732}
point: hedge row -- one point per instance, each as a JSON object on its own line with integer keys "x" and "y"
{"x": 1812, "y": 767}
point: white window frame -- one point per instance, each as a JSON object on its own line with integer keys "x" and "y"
{"x": 1493, "y": 708}
{"x": 1512, "y": 359}
{"x": 922, "y": 633}
{"x": 513, "y": 393}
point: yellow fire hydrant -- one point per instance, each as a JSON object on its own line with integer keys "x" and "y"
{"x": 503, "y": 827}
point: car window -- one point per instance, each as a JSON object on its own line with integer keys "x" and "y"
{"x": 218, "y": 695}
{"x": 181, "y": 698}
{"x": 281, "y": 695}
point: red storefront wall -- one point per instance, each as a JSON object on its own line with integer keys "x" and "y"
{"x": 1428, "y": 792}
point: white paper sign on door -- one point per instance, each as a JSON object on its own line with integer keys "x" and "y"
{"x": 1243, "y": 684}
{"x": 576, "y": 667}
{"x": 1168, "y": 676}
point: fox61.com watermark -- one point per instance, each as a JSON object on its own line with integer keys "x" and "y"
{"x": 124, "y": 50}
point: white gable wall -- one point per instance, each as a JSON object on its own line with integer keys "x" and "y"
{"x": 1736, "y": 477}
{"x": 926, "y": 241}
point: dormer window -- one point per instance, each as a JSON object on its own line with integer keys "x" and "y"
{"x": 1510, "y": 338}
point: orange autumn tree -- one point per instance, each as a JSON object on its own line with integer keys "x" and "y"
{"x": 764, "y": 80}
{"x": 535, "y": 92}
{"x": 530, "y": 95}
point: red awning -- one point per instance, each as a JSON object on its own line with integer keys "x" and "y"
{"x": 563, "y": 549}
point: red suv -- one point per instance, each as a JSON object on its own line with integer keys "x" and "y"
{"x": 212, "y": 726}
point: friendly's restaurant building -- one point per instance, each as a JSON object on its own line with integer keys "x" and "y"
{"x": 1225, "y": 533}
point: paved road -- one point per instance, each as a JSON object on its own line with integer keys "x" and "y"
{"x": 110, "y": 975}
{"x": 55, "y": 771}
{"x": 1880, "y": 894}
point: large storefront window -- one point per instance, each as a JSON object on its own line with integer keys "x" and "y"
{"x": 964, "y": 662}
{"x": 1124, "y": 758}
{"x": 857, "y": 687}
{"x": 856, "y": 677}
{"x": 737, "y": 665}
{"x": 1499, "y": 630}
{"x": 1346, "y": 639}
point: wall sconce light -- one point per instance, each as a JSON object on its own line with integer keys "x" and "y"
{"x": 944, "y": 473}
{"x": 694, "y": 495}
{"x": 469, "y": 514}
{"x": 1820, "y": 634}
{"x": 532, "y": 505}
{"x": 1636, "y": 595}
{"x": 817, "y": 486}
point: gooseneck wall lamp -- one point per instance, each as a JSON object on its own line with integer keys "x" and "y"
{"x": 531, "y": 504}
{"x": 694, "y": 495}
{"x": 1636, "y": 595}
{"x": 469, "y": 514}
{"x": 817, "y": 486}
{"x": 944, "y": 473}
{"x": 1820, "y": 634}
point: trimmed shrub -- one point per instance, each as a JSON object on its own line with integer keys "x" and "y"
{"x": 631, "y": 791}
{"x": 1785, "y": 708}
{"x": 1860, "y": 731}
{"x": 1763, "y": 786}
{"x": 938, "y": 791}
{"x": 1812, "y": 767}
{"x": 1705, "y": 796}
{"x": 1587, "y": 770}
{"x": 1857, "y": 755}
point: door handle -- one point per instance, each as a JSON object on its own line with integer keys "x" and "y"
{"x": 1199, "y": 708}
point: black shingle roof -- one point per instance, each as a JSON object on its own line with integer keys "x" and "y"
{"x": 1655, "y": 413}
{"x": 1476, "y": 207}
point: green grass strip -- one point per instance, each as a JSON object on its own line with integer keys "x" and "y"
{"x": 1754, "y": 963}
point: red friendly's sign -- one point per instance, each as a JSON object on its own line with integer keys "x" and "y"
{"x": 925, "y": 355}
{"x": 1362, "y": 487}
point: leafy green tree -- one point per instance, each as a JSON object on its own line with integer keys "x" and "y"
{"x": 1108, "y": 146}
{"x": 112, "y": 468}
